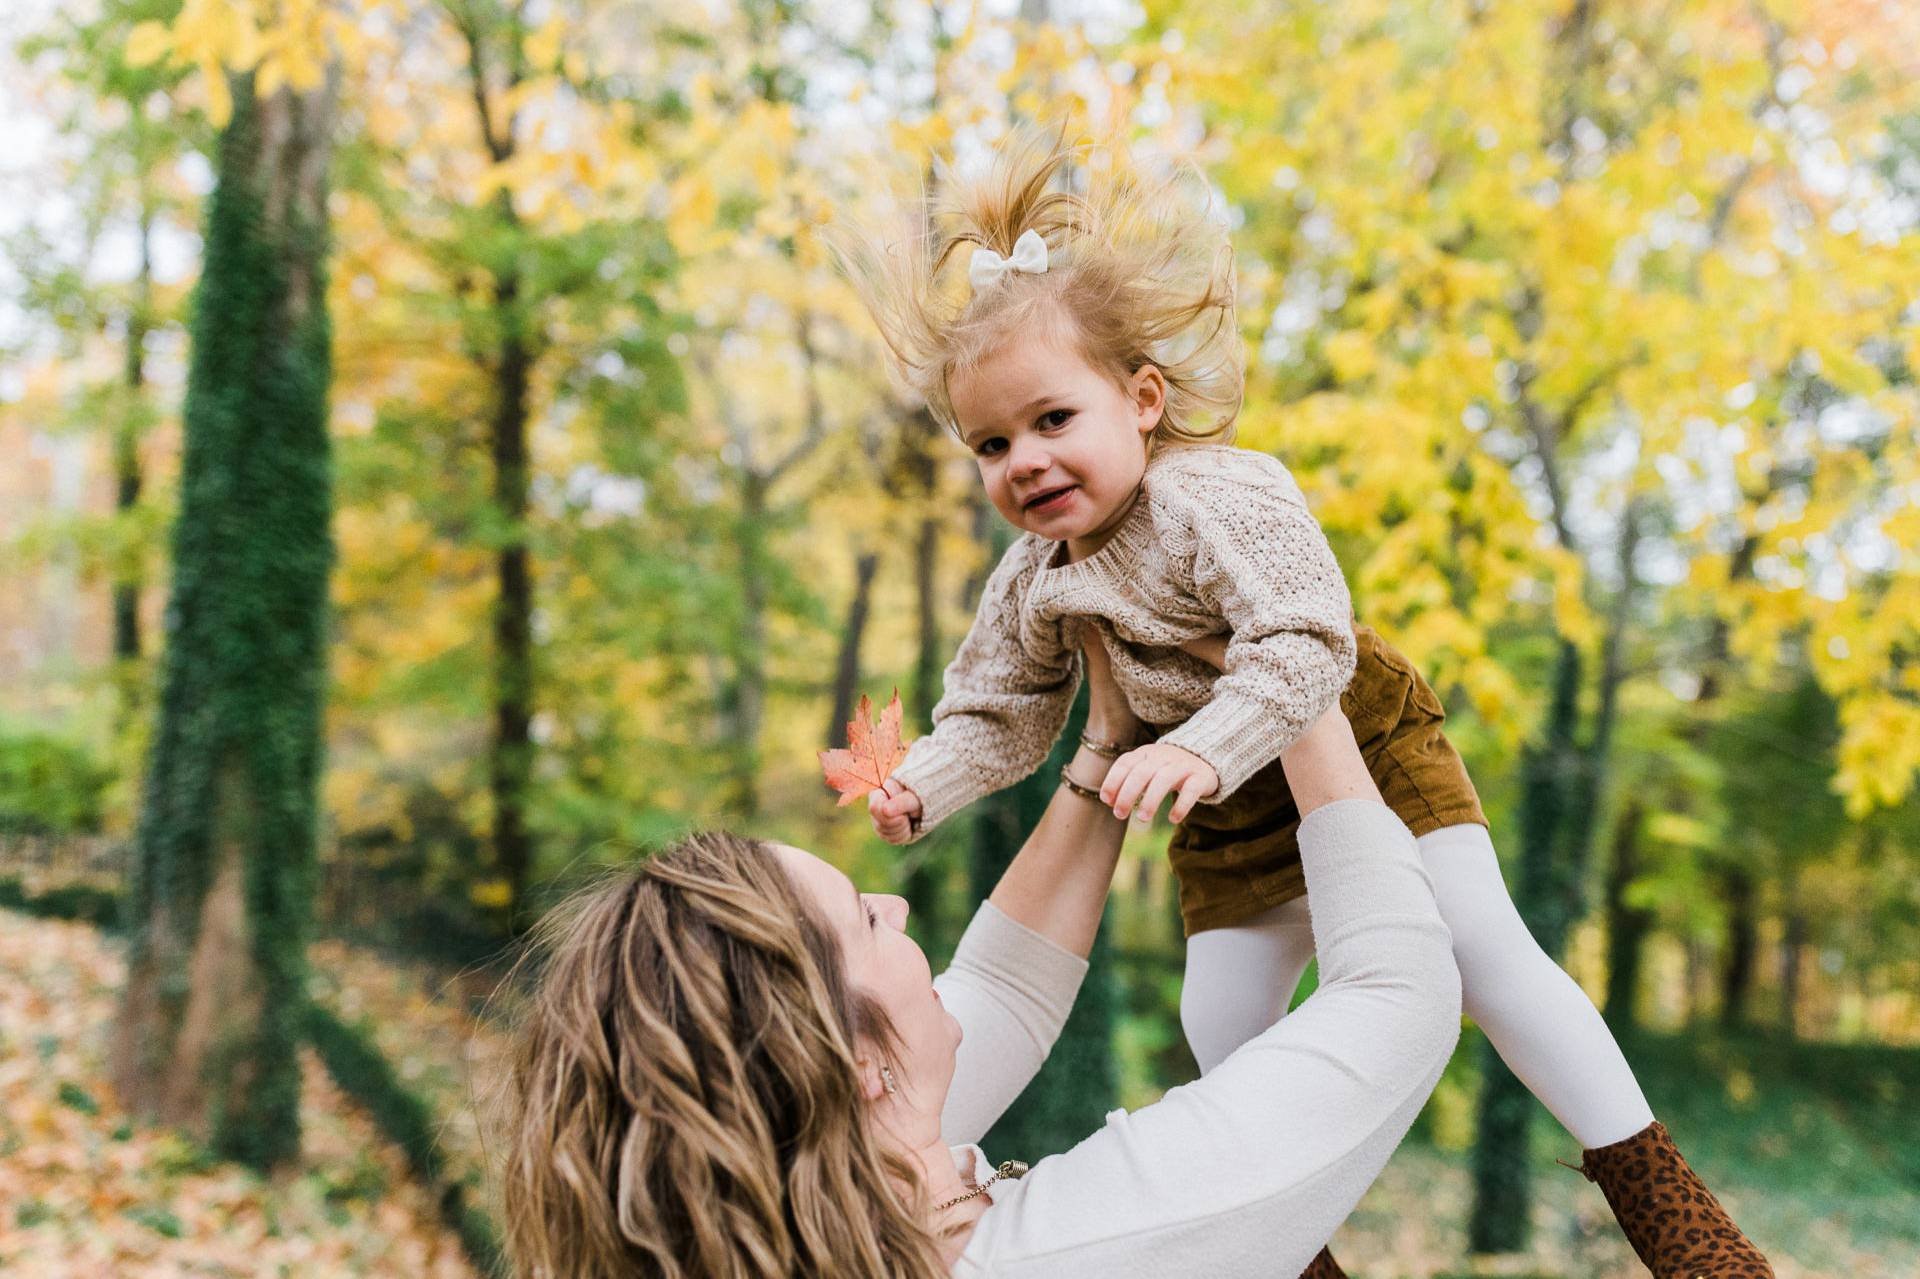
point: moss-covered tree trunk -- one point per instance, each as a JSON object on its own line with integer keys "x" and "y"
{"x": 210, "y": 1021}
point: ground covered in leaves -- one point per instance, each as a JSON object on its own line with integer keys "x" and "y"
{"x": 1813, "y": 1147}
{"x": 86, "y": 1192}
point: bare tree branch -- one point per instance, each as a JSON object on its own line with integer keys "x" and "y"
{"x": 816, "y": 428}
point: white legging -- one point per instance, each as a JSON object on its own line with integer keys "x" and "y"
{"x": 1239, "y": 981}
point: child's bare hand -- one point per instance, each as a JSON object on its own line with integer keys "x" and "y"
{"x": 1141, "y": 778}
{"x": 895, "y": 811}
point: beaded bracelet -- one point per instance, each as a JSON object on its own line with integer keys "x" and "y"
{"x": 1106, "y": 750}
{"x": 1085, "y": 792}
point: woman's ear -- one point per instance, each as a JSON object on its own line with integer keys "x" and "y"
{"x": 872, "y": 1086}
{"x": 1149, "y": 397}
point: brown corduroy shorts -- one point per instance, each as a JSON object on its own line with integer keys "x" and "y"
{"x": 1238, "y": 858}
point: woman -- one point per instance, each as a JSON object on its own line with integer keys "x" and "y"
{"x": 736, "y": 1065}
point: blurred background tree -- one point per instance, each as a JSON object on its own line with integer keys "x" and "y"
{"x": 221, "y": 883}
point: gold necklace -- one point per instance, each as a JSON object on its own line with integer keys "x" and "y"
{"x": 1012, "y": 1169}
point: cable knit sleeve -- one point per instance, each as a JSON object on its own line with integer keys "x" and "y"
{"x": 1261, "y": 560}
{"x": 1004, "y": 700}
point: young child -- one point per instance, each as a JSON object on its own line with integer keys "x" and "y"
{"x": 1093, "y": 369}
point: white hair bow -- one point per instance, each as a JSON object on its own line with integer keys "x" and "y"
{"x": 1029, "y": 255}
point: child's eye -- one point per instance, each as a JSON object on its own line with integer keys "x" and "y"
{"x": 988, "y": 447}
{"x": 873, "y": 920}
{"x": 1057, "y": 417}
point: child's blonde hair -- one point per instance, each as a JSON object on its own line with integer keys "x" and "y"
{"x": 1136, "y": 266}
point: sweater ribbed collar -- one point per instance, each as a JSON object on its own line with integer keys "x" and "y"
{"x": 1111, "y": 564}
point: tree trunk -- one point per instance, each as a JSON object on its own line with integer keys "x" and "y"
{"x": 1627, "y": 926}
{"x": 1791, "y": 946}
{"x": 747, "y": 697}
{"x": 1550, "y": 779}
{"x": 510, "y": 762}
{"x": 126, "y": 455}
{"x": 923, "y": 469}
{"x": 1562, "y": 786}
{"x": 209, "y": 1025}
{"x": 981, "y": 517}
{"x": 846, "y": 676}
{"x": 926, "y": 871}
{"x": 1736, "y": 973}
{"x": 1699, "y": 980}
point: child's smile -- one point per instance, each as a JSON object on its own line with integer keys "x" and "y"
{"x": 1051, "y": 501}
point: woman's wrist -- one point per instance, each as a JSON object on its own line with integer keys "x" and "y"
{"x": 1120, "y": 730}
{"x": 1085, "y": 772}
{"x": 1091, "y": 741}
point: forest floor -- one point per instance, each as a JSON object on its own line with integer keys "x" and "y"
{"x": 1814, "y": 1148}
{"x": 85, "y": 1193}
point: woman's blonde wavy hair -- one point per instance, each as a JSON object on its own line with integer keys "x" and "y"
{"x": 683, "y": 1098}
{"x": 1137, "y": 267}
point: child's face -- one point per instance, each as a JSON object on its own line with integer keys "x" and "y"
{"x": 1061, "y": 447}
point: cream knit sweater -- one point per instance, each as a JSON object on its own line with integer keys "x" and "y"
{"x": 1220, "y": 539}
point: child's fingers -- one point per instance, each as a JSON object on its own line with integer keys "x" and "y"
{"x": 1192, "y": 790}
{"x": 1127, "y": 794}
{"x": 897, "y": 800}
{"x": 1119, "y": 771}
{"x": 881, "y": 806}
{"x": 886, "y": 824}
{"x": 1163, "y": 780}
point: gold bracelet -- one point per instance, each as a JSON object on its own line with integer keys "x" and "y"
{"x": 1085, "y": 792}
{"x": 1106, "y": 750}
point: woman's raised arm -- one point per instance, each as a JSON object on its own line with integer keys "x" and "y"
{"x": 1017, "y": 970}
{"x": 1057, "y": 884}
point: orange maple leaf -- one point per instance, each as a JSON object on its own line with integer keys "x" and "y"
{"x": 873, "y": 751}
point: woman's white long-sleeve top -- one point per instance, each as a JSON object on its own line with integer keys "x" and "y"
{"x": 1250, "y": 1170}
